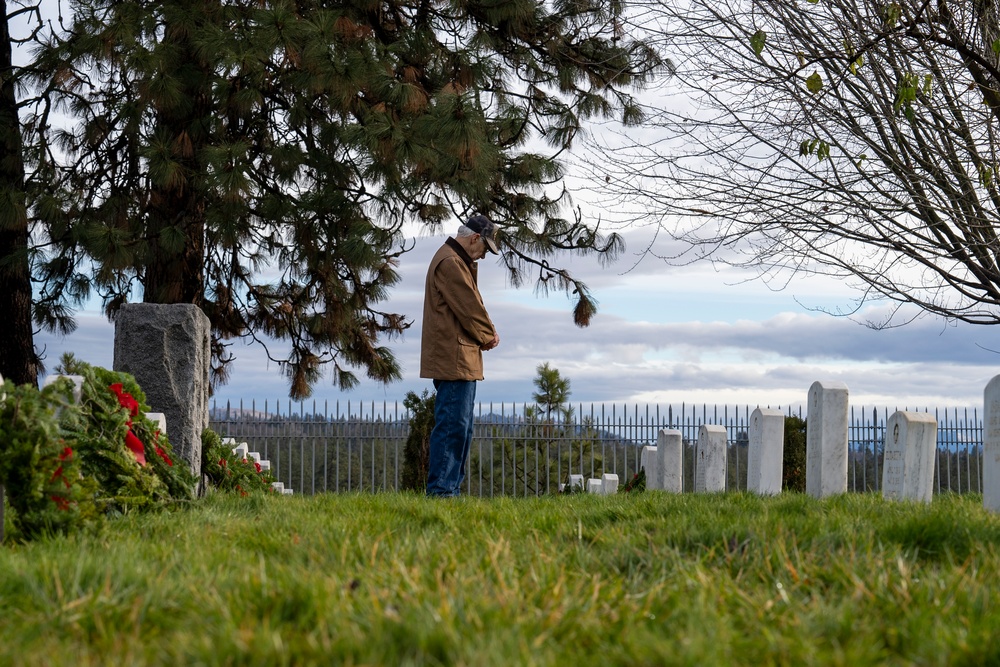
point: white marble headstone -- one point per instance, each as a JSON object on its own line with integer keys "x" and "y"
{"x": 609, "y": 483}
{"x": 159, "y": 419}
{"x": 77, "y": 384}
{"x": 991, "y": 445}
{"x": 594, "y": 485}
{"x": 764, "y": 452}
{"x": 826, "y": 439}
{"x": 908, "y": 466}
{"x": 647, "y": 461}
{"x": 710, "y": 463}
{"x": 670, "y": 460}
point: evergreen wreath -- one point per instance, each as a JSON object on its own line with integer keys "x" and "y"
{"x": 65, "y": 464}
{"x": 227, "y": 473}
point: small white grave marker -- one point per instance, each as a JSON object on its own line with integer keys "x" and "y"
{"x": 77, "y": 384}
{"x": 908, "y": 469}
{"x": 764, "y": 455}
{"x": 710, "y": 464}
{"x": 609, "y": 483}
{"x": 594, "y": 485}
{"x": 159, "y": 419}
{"x": 826, "y": 440}
{"x": 991, "y": 445}
{"x": 648, "y": 462}
{"x": 669, "y": 460}
{"x": 576, "y": 483}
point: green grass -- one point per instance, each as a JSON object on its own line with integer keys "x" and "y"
{"x": 397, "y": 579}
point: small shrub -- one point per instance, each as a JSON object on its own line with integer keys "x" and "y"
{"x": 416, "y": 452}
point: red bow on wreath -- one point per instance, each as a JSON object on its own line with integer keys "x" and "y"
{"x": 133, "y": 443}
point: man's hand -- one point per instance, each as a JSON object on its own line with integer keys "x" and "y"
{"x": 493, "y": 343}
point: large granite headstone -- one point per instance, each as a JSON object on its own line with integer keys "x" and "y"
{"x": 991, "y": 445}
{"x": 767, "y": 442}
{"x": 826, "y": 439}
{"x": 908, "y": 467}
{"x": 166, "y": 347}
{"x": 669, "y": 460}
{"x": 710, "y": 463}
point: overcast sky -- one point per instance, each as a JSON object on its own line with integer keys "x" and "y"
{"x": 663, "y": 335}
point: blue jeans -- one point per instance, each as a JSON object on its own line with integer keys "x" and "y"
{"x": 451, "y": 437}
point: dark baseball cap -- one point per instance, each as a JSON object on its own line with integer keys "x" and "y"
{"x": 483, "y": 226}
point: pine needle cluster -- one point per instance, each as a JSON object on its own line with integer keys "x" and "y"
{"x": 260, "y": 159}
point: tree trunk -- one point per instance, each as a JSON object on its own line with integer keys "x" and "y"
{"x": 176, "y": 222}
{"x": 18, "y": 361}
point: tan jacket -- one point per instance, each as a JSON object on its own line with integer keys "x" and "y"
{"x": 456, "y": 324}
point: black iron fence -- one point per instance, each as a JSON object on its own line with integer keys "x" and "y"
{"x": 354, "y": 446}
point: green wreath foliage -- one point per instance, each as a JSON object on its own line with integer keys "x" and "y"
{"x": 228, "y": 473}
{"x": 635, "y": 485}
{"x": 65, "y": 464}
{"x": 101, "y": 425}
{"x": 40, "y": 467}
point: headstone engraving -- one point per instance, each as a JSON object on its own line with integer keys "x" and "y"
{"x": 609, "y": 483}
{"x": 826, "y": 439}
{"x": 991, "y": 445}
{"x": 647, "y": 461}
{"x": 908, "y": 466}
{"x": 166, "y": 348}
{"x": 670, "y": 460}
{"x": 710, "y": 470}
{"x": 764, "y": 452}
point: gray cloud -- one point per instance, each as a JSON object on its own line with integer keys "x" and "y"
{"x": 768, "y": 361}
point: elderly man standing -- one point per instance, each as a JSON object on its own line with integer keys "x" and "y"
{"x": 456, "y": 330}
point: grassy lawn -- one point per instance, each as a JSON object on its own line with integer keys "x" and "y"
{"x": 396, "y": 579}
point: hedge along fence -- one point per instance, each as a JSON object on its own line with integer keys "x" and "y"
{"x": 69, "y": 461}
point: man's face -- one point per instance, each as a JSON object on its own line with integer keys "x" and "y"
{"x": 478, "y": 247}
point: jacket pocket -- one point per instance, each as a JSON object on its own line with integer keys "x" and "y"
{"x": 470, "y": 359}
